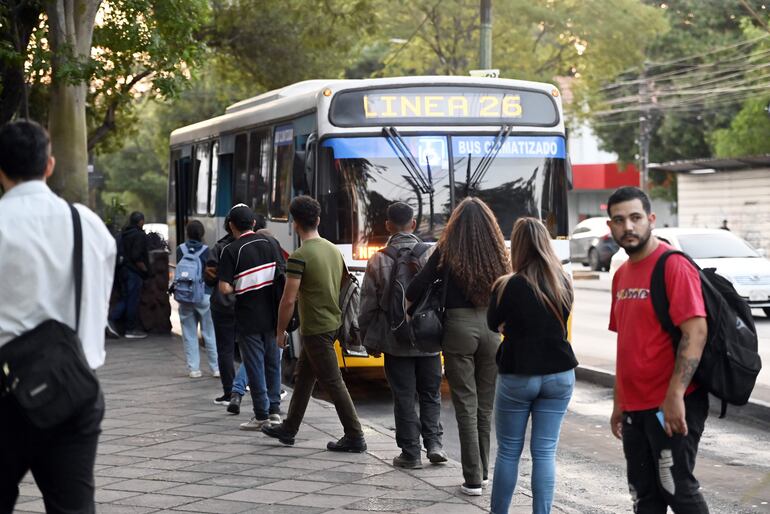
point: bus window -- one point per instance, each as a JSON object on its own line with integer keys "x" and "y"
{"x": 282, "y": 167}
{"x": 240, "y": 170}
{"x": 214, "y": 155}
{"x": 202, "y": 174}
{"x": 259, "y": 166}
{"x": 514, "y": 183}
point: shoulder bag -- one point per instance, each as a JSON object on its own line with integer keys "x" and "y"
{"x": 45, "y": 370}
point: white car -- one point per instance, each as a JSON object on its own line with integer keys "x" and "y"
{"x": 158, "y": 228}
{"x": 733, "y": 258}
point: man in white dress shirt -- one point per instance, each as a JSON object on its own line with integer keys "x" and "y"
{"x": 37, "y": 284}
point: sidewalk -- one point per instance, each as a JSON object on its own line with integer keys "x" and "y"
{"x": 166, "y": 447}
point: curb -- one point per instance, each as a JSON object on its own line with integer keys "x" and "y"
{"x": 754, "y": 412}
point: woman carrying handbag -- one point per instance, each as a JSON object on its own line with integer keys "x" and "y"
{"x": 471, "y": 253}
{"x": 535, "y": 363}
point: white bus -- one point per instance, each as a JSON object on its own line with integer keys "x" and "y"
{"x": 358, "y": 145}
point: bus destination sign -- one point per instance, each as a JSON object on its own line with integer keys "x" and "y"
{"x": 443, "y": 105}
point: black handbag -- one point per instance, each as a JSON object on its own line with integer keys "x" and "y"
{"x": 427, "y": 323}
{"x": 45, "y": 370}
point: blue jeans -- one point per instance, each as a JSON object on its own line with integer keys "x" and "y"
{"x": 187, "y": 312}
{"x": 240, "y": 381}
{"x": 545, "y": 397}
{"x": 262, "y": 360}
{"x": 130, "y": 295}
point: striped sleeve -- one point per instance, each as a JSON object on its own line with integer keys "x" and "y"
{"x": 295, "y": 265}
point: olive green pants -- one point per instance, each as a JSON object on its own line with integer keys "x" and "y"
{"x": 469, "y": 364}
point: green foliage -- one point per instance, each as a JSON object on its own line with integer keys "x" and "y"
{"x": 278, "y": 42}
{"x": 748, "y": 134}
{"x": 532, "y": 40}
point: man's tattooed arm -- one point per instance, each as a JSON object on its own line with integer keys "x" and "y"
{"x": 685, "y": 366}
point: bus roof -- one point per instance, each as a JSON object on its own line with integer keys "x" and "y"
{"x": 303, "y": 97}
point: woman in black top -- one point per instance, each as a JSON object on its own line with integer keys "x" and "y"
{"x": 473, "y": 250}
{"x": 535, "y": 361}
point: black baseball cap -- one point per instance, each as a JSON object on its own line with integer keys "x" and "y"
{"x": 241, "y": 216}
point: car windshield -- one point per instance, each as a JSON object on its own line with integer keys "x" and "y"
{"x": 358, "y": 177}
{"x": 715, "y": 246}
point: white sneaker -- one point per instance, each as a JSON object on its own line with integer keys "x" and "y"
{"x": 471, "y": 490}
{"x": 112, "y": 329}
{"x": 255, "y": 424}
{"x": 196, "y": 374}
{"x": 216, "y": 374}
{"x": 485, "y": 482}
{"x": 283, "y": 393}
{"x": 274, "y": 419}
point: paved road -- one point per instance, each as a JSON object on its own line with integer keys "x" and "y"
{"x": 595, "y": 345}
{"x": 733, "y": 466}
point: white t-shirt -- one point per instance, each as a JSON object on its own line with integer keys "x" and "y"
{"x": 37, "y": 282}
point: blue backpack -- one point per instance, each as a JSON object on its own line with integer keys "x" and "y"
{"x": 188, "y": 276}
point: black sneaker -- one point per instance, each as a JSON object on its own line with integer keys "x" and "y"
{"x": 347, "y": 444}
{"x": 407, "y": 462}
{"x": 278, "y": 432}
{"x": 234, "y": 405}
{"x": 222, "y": 400}
{"x": 437, "y": 455}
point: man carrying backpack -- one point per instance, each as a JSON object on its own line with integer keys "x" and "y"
{"x": 194, "y": 298}
{"x": 659, "y": 412}
{"x": 384, "y": 328}
{"x": 133, "y": 267}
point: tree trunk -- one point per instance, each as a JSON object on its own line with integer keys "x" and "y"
{"x": 71, "y": 25}
{"x": 67, "y": 126}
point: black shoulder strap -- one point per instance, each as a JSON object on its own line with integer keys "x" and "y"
{"x": 390, "y": 251}
{"x": 659, "y": 295}
{"x": 77, "y": 262}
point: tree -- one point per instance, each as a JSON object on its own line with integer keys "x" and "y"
{"x": 84, "y": 77}
{"x": 71, "y": 26}
{"x": 278, "y": 42}
{"x": 532, "y": 40}
{"x": 748, "y": 133}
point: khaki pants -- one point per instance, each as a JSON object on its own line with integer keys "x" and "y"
{"x": 469, "y": 363}
{"x": 318, "y": 363}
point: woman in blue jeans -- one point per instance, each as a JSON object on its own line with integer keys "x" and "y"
{"x": 535, "y": 363}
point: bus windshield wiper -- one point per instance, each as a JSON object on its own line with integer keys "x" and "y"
{"x": 486, "y": 161}
{"x": 407, "y": 159}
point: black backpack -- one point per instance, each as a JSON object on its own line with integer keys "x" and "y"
{"x": 730, "y": 363}
{"x": 406, "y": 265}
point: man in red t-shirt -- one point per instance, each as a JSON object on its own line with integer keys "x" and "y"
{"x": 658, "y": 411}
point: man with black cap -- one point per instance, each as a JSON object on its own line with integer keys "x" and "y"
{"x": 248, "y": 268}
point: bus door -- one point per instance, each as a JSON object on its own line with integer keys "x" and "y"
{"x": 184, "y": 182}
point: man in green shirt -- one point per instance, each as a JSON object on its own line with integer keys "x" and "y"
{"x": 313, "y": 276}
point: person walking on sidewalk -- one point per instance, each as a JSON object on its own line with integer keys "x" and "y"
{"x": 223, "y": 317}
{"x": 37, "y": 282}
{"x": 659, "y": 412}
{"x": 314, "y": 276}
{"x": 133, "y": 268}
{"x": 249, "y": 268}
{"x": 535, "y": 362}
{"x": 412, "y": 374}
{"x": 194, "y": 252}
{"x": 472, "y": 251}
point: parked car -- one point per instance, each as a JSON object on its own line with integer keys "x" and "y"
{"x": 735, "y": 259}
{"x": 158, "y": 228}
{"x": 591, "y": 243}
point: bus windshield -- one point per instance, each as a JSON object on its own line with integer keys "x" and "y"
{"x": 358, "y": 177}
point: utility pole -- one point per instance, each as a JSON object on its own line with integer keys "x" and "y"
{"x": 485, "y": 52}
{"x": 645, "y": 128}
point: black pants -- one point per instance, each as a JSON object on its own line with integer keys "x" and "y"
{"x": 414, "y": 379}
{"x": 660, "y": 467}
{"x": 224, "y": 329}
{"x": 317, "y": 362}
{"x": 61, "y": 459}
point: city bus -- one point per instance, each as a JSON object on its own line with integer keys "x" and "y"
{"x": 358, "y": 145}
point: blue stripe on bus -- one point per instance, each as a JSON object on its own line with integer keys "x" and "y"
{"x": 515, "y": 146}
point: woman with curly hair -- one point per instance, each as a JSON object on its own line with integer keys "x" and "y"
{"x": 472, "y": 250}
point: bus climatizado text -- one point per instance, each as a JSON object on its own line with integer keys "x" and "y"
{"x": 358, "y": 145}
